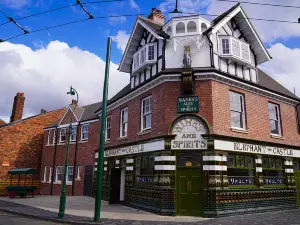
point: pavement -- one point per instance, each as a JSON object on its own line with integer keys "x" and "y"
{"x": 28, "y": 215}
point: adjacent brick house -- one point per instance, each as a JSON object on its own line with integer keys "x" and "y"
{"x": 84, "y": 143}
{"x": 21, "y": 140}
{"x": 200, "y": 130}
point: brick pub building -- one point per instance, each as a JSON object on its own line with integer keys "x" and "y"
{"x": 200, "y": 130}
{"x": 21, "y": 141}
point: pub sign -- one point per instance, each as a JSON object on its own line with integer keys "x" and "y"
{"x": 188, "y": 104}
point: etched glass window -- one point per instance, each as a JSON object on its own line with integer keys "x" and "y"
{"x": 189, "y": 159}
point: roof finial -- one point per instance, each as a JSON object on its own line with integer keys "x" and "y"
{"x": 176, "y": 8}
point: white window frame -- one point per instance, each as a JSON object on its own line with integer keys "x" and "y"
{"x": 137, "y": 58}
{"x": 61, "y": 129}
{"x": 84, "y": 132}
{"x": 54, "y": 136}
{"x": 73, "y": 136}
{"x": 45, "y": 174}
{"x": 68, "y": 170}
{"x": 278, "y": 120}
{"x": 123, "y": 123}
{"x": 78, "y": 172}
{"x": 242, "y": 111}
{"x": 49, "y": 136}
{"x": 109, "y": 117}
{"x": 230, "y": 54}
{"x": 56, "y": 173}
{"x": 50, "y": 174}
{"x": 143, "y": 114}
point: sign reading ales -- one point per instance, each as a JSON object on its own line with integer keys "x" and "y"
{"x": 188, "y": 104}
{"x": 188, "y": 131}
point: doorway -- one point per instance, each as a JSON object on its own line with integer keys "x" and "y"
{"x": 88, "y": 181}
{"x": 115, "y": 181}
{"x": 189, "y": 189}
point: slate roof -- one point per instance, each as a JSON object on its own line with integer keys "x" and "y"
{"x": 264, "y": 80}
{"x": 155, "y": 27}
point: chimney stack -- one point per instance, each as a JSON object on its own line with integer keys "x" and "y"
{"x": 17, "y": 110}
{"x": 156, "y": 16}
{"x": 74, "y": 102}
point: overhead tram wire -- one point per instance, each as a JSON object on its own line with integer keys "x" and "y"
{"x": 62, "y": 7}
{"x": 262, "y": 4}
{"x": 131, "y": 15}
{"x": 13, "y": 20}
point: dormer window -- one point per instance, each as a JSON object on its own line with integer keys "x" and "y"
{"x": 144, "y": 57}
{"x": 235, "y": 49}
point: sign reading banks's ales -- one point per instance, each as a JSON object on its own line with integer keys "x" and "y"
{"x": 188, "y": 104}
{"x": 188, "y": 131}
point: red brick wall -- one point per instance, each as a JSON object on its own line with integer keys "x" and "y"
{"x": 21, "y": 143}
{"x": 85, "y": 156}
{"x": 257, "y": 116}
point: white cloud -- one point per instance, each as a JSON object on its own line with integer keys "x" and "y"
{"x": 283, "y": 67}
{"x": 45, "y": 75}
{"x": 121, "y": 39}
{"x": 134, "y": 5}
{"x": 117, "y": 20}
{"x": 185, "y": 6}
{"x": 268, "y": 31}
{"x": 15, "y": 4}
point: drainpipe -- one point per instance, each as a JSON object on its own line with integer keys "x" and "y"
{"x": 211, "y": 51}
{"x": 75, "y": 157}
{"x": 54, "y": 160}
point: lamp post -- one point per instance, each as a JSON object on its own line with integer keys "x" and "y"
{"x": 102, "y": 137}
{"x": 62, "y": 203}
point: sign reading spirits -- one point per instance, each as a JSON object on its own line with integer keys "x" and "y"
{"x": 188, "y": 104}
{"x": 188, "y": 131}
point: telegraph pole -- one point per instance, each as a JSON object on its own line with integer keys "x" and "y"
{"x": 102, "y": 137}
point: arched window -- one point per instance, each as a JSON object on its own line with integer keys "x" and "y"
{"x": 180, "y": 28}
{"x": 191, "y": 26}
{"x": 203, "y": 27}
{"x": 169, "y": 30}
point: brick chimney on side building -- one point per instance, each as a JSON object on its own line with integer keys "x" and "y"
{"x": 156, "y": 16}
{"x": 18, "y": 106}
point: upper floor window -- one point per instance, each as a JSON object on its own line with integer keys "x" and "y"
{"x": 225, "y": 46}
{"x": 235, "y": 49}
{"x": 180, "y": 28}
{"x": 237, "y": 110}
{"x": 124, "y": 122}
{"x": 62, "y": 138}
{"x": 85, "y": 132}
{"x": 144, "y": 56}
{"x": 108, "y": 128}
{"x": 73, "y": 133}
{"x": 146, "y": 113}
{"x": 54, "y": 136}
{"x": 275, "y": 123}
{"x": 49, "y": 136}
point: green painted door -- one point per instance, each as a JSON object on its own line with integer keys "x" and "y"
{"x": 189, "y": 192}
{"x": 297, "y": 179}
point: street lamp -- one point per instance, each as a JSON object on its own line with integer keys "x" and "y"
{"x": 62, "y": 203}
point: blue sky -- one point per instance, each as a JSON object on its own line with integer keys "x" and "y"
{"x": 44, "y": 64}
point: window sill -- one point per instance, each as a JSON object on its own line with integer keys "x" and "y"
{"x": 77, "y": 179}
{"x": 73, "y": 142}
{"x": 57, "y": 182}
{"x": 107, "y": 141}
{"x": 122, "y": 138}
{"x": 277, "y": 137}
{"x": 238, "y": 130}
{"x": 63, "y": 143}
{"x": 147, "y": 131}
{"x": 43, "y": 182}
{"x": 69, "y": 183}
{"x": 49, "y": 182}
{"x": 83, "y": 141}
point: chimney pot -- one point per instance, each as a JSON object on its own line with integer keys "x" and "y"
{"x": 74, "y": 102}
{"x": 157, "y": 16}
{"x": 18, "y": 106}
